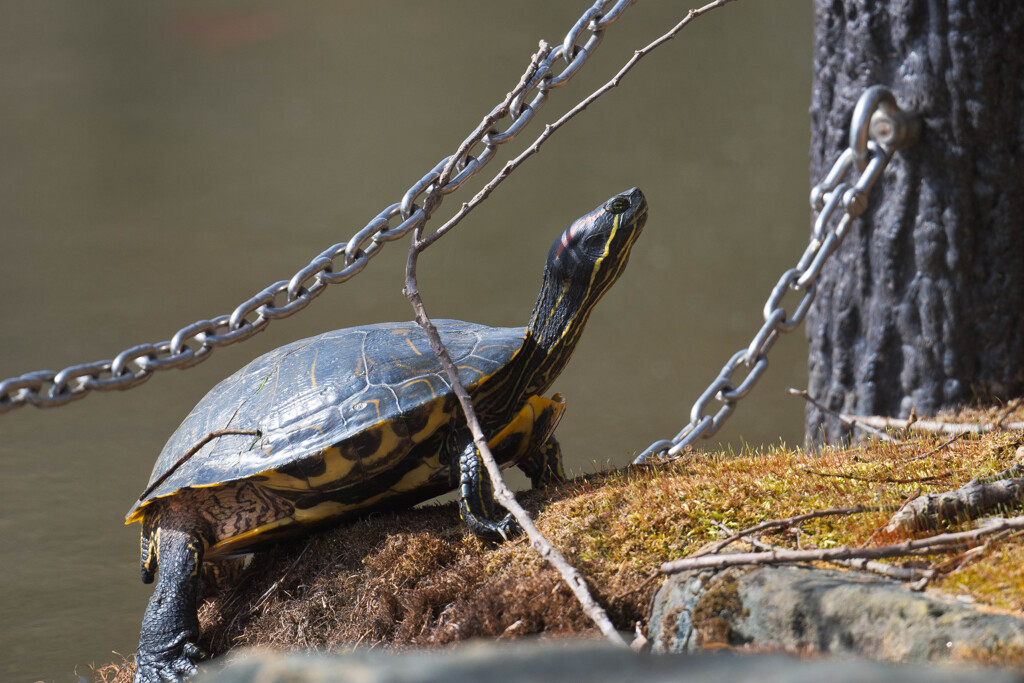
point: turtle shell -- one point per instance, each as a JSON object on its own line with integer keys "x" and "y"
{"x": 371, "y": 392}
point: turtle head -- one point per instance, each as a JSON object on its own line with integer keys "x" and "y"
{"x": 590, "y": 255}
{"x": 583, "y": 263}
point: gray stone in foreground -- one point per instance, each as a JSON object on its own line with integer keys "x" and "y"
{"x": 564, "y": 661}
{"x": 823, "y": 611}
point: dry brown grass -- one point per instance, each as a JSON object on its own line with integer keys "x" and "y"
{"x": 418, "y": 579}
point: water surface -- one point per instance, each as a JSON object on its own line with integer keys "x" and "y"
{"x": 161, "y": 162}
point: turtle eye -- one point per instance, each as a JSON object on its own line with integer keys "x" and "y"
{"x": 617, "y": 205}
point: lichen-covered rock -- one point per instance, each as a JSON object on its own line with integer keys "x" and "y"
{"x": 827, "y": 611}
{"x": 557, "y": 662}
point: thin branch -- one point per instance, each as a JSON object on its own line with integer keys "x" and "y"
{"x": 502, "y": 493}
{"x": 848, "y": 421}
{"x": 653, "y": 576}
{"x": 889, "y": 571}
{"x": 935, "y": 450}
{"x": 956, "y": 564}
{"x": 1011, "y": 406}
{"x": 906, "y": 501}
{"x": 876, "y": 480}
{"x": 873, "y": 566}
{"x": 216, "y": 434}
{"x": 931, "y": 426}
{"x": 486, "y": 125}
{"x": 940, "y": 543}
{"x": 974, "y": 499}
{"x": 549, "y": 129}
{"x": 273, "y": 587}
{"x": 788, "y": 522}
{"x": 1013, "y": 472}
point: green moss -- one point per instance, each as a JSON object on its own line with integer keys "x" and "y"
{"x": 717, "y": 609}
{"x": 417, "y": 578}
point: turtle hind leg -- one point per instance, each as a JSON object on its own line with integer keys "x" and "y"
{"x": 219, "y": 574}
{"x": 544, "y": 465}
{"x": 476, "y": 499}
{"x": 170, "y": 626}
{"x": 148, "y": 550}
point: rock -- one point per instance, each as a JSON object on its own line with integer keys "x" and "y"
{"x": 558, "y": 662}
{"x": 561, "y": 661}
{"x": 804, "y": 609}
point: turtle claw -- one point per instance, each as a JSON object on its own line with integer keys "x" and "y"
{"x": 192, "y": 651}
{"x": 159, "y": 667}
{"x": 508, "y": 528}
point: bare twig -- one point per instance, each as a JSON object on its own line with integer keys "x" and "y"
{"x": 502, "y": 494}
{"x": 931, "y": 426}
{"x": 1014, "y": 471}
{"x": 876, "y": 480}
{"x": 872, "y": 566}
{"x": 940, "y": 543}
{"x": 875, "y": 424}
{"x": 975, "y": 499}
{"x": 848, "y": 421}
{"x": 787, "y": 522}
{"x": 653, "y": 576}
{"x": 1011, "y": 406}
{"x": 935, "y": 450}
{"x": 486, "y": 125}
{"x": 955, "y": 564}
{"x": 216, "y": 434}
{"x": 550, "y": 129}
{"x": 906, "y": 501}
{"x": 273, "y": 587}
{"x": 888, "y": 570}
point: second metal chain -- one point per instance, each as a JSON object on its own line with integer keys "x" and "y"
{"x": 879, "y": 128}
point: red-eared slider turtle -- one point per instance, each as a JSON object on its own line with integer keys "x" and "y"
{"x": 363, "y": 419}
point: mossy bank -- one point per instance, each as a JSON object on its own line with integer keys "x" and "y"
{"x": 418, "y": 579}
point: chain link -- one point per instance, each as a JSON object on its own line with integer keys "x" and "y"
{"x": 878, "y": 129}
{"x": 195, "y": 342}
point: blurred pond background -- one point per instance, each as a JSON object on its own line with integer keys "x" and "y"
{"x": 160, "y": 162}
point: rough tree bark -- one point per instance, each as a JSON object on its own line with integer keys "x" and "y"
{"x": 923, "y": 306}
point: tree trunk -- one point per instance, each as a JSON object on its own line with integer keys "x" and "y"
{"x": 923, "y": 305}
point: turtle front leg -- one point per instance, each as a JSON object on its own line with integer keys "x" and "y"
{"x": 476, "y": 499}
{"x": 170, "y": 626}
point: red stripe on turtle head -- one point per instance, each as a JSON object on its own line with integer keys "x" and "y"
{"x": 580, "y": 226}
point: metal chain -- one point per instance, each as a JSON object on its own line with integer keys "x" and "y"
{"x": 879, "y": 128}
{"x": 193, "y": 343}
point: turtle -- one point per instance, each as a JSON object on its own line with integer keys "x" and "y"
{"x": 362, "y": 419}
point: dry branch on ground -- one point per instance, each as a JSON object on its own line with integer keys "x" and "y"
{"x": 1001, "y": 492}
